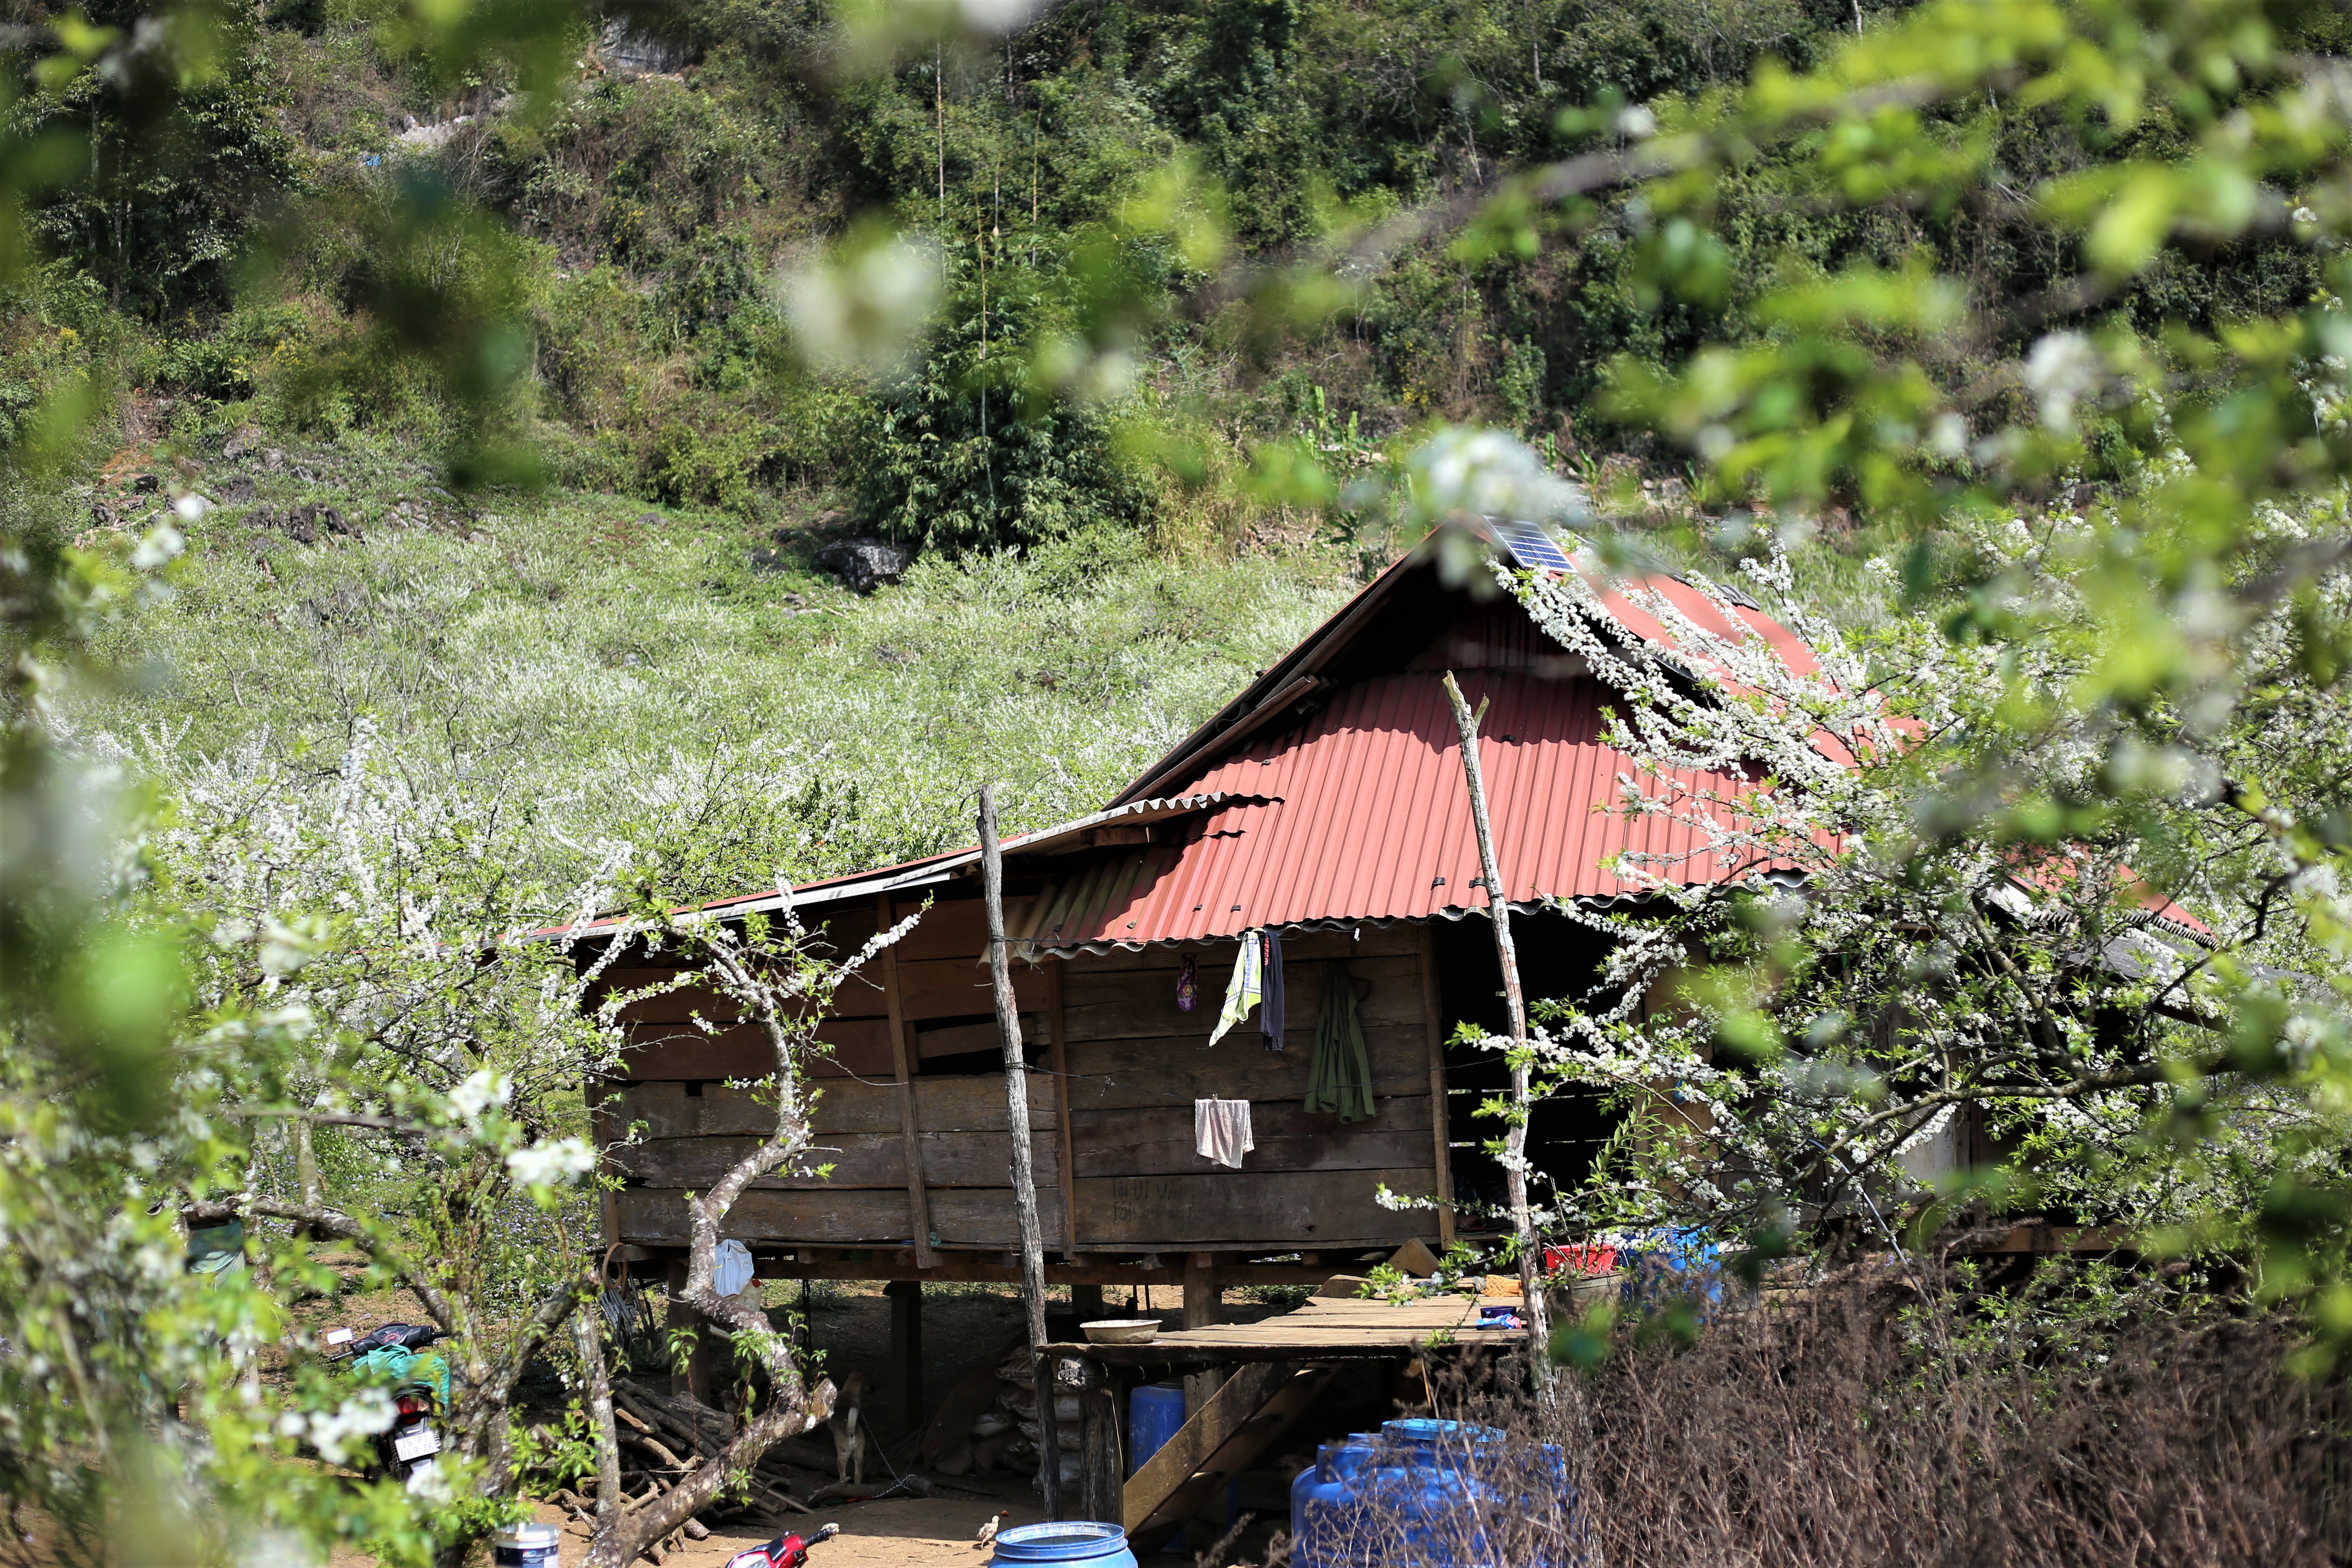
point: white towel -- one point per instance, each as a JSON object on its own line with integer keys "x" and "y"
{"x": 1221, "y": 1130}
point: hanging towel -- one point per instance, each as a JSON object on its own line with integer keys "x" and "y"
{"x": 1242, "y": 991}
{"x": 1341, "y": 1076}
{"x": 1269, "y": 1014}
{"x": 1221, "y": 1130}
{"x": 1188, "y": 987}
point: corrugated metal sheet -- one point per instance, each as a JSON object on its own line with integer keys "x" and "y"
{"x": 1368, "y": 820}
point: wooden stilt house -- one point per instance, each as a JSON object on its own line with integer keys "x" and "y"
{"x": 1326, "y": 803}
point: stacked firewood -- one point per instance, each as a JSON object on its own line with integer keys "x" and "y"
{"x": 664, "y": 1439}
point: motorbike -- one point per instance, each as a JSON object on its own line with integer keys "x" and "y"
{"x": 784, "y": 1552}
{"x": 420, "y": 1390}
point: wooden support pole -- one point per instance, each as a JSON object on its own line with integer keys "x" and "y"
{"x": 903, "y": 1058}
{"x": 1058, "y": 1055}
{"x": 1203, "y": 1308}
{"x": 1086, "y": 1301}
{"x": 1102, "y": 1478}
{"x": 603, "y": 1131}
{"x": 1025, "y": 1176}
{"x": 1515, "y": 1142}
{"x": 702, "y": 1363}
{"x": 906, "y": 1297}
{"x": 1433, "y": 1026}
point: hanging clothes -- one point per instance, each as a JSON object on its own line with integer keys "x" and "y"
{"x": 1270, "y": 1011}
{"x": 1221, "y": 1130}
{"x": 1242, "y": 991}
{"x": 1188, "y": 987}
{"x": 1340, "y": 1075}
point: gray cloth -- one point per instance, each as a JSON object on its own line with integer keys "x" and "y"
{"x": 1221, "y": 1130}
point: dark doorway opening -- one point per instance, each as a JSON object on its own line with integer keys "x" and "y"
{"x": 1558, "y": 960}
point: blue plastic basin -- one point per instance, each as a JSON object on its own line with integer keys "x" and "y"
{"x": 1082, "y": 1540}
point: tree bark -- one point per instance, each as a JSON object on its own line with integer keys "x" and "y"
{"x": 1025, "y": 1181}
{"x": 589, "y": 1338}
{"x": 1515, "y": 1143}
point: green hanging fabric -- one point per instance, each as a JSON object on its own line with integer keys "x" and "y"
{"x": 1341, "y": 1076}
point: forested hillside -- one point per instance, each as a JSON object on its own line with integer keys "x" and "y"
{"x": 632, "y": 239}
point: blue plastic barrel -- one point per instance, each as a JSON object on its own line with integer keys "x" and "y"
{"x": 1085, "y": 1541}
{"x": 1671, "y": 1263}
{"x": 1422, "y": 1486}
{"x": 1154, "y": 1413}
{"x": 1319, "y": 1520}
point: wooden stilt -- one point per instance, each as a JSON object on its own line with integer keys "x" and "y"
{"x": 904, "y": 1060}
{"x": 1102, "y": 1475}
{"x": 1086, "y": 1301}
{"x": 1025, "y": 1177}
{"x": 701, "y": 1373}
{"x": 906, "y": 1353}
{"x": 1204, "y": 1306}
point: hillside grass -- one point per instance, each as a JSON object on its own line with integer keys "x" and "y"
{"x": 684, "y": 679}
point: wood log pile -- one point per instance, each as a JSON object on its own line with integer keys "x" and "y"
{"x": 664, "y": 1438}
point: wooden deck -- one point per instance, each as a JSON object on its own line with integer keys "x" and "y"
{"x": 1318, "y": 1330}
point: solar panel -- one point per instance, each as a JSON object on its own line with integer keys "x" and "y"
{"x": 1531, "y": 547}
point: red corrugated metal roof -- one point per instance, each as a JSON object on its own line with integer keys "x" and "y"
{"x": 1280, "y": 815}
{"x": 1369, "y": 819}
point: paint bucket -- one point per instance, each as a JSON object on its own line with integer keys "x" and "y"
{"x": 525, "y": 1546}
{"x": 1087, "y": 1542}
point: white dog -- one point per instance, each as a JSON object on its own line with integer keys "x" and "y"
{"x": 848, "y": 1424}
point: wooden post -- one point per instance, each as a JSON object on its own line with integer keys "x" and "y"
{"x": 603, "y": 1134}
{"x": 1025, "y": 1177}
{"x": 1204, "y": 1306}
{"x": 701, "y": 1376}
{"x": 1515, "y": 1142}
{"x": 1440, "y": 1128}
{"x": 903, "y": 1058}
{"x": 906, "y": 1353}
{"x": 1057, "y": 1054}
{"x": 1102, "y": 1479}
{"x": 1086, "y": 1301}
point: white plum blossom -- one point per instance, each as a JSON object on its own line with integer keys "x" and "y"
{"x": 428, "y": 1482}
{"x": 2061, "y": 369}
{"x": 556, "y": 1163}
{"x": 333, "y": 1432}
{"x": 863, "y": 309}
{"x": 160, "y": 547}
{"x": 481, "y": 1091}
{"x": 1488, "y": 473}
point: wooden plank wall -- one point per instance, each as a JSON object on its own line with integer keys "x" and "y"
{"x": 1135, "y": 1064}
